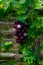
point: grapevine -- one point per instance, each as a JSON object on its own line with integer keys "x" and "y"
{"x": 28, "y": 26}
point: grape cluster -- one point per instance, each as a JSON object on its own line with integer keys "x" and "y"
{"x": 20, "y": 33}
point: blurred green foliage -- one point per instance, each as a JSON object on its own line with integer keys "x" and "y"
{"x": 6, "y": 46}
{"x": 22, "y": 10}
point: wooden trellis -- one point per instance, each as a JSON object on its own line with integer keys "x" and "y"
{"x": 9, "y": 55}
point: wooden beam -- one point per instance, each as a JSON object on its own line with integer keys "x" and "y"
{"x": 7, "y": 23}
{"x": 2, "y": 61}
{"x": 6, "y": 32}
{"x": 9, "y": 55}
{"x": 10, "y": 31}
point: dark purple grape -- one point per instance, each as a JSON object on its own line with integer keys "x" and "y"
{"x": 21, "y": 37}
{"x": 24, "y": 34}
{"x": 26, "y": 24}
{"x": 18, "y": 26}
{"x": 23, "y": 31}
{"x": 18, "y": 41}
{"x": 17, "y": 37}
{"x": 24, "y": 28}
{"x": 20, "y": 34}
{"x": 22, "y": 41}
{"x": 20, "y": 31}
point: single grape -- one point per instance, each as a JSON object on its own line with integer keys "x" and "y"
{"x": 26, "y": 24}
{"x": 21, "y": 37}
{"x": 14, "y": 29}
{"x": 18, "y": 26}
{"x": 18, "y": 41}
{"x": 24, "y": 28}
{"x": 24, "y": 34}
{"x": 20, "y": 34}
{"x": 17, "y": 37}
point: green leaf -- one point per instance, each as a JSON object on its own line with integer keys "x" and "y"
{"x": 10, "y": 62}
